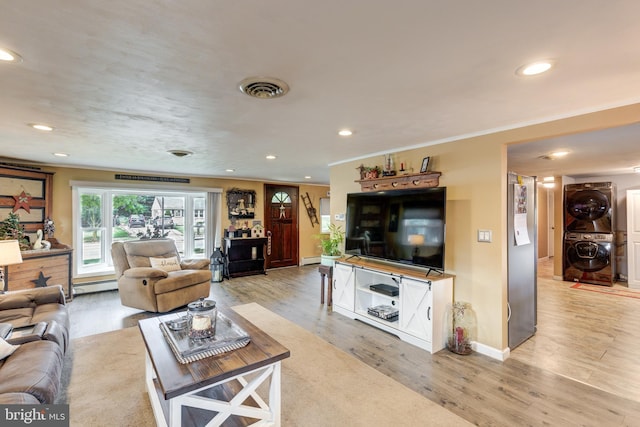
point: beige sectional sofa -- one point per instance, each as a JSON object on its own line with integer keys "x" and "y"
{"x": 31, "y": 374}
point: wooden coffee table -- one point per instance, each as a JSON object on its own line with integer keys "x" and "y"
{"x": 217, "y": 389}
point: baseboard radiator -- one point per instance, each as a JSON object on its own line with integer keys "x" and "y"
{"x": 310, "y": 260}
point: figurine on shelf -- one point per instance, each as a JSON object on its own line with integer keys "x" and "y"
{"x": 40, "y": 243}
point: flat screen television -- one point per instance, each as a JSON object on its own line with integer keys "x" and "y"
{"x": 404, "y": 226}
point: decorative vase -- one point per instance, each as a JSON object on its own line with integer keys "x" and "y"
{"x": 462, "y": 325}
{"x": 328, "y": 260}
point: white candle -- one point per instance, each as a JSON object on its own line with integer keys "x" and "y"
{"x": 201, "y": 323}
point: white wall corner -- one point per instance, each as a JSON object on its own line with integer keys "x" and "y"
{"x": 493, "y": 353}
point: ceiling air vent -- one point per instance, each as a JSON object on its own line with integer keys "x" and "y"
{"x": 264, "y": 87}
{"x": 180, "y": 153}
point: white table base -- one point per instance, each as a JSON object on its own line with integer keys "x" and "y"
{"x": 267, "y": 414}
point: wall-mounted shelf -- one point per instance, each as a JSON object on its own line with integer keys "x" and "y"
{"x": 400, "y": 182}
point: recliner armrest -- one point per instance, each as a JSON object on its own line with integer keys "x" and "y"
{"x": 194, "y": 264}
{"x": 145, "y": 273}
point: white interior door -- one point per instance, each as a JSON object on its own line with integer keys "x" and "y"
{"x": 633, "y": 237}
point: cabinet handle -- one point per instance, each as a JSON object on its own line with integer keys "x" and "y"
{"x": 429, "y": 313}
{"x": 508, "y": 312}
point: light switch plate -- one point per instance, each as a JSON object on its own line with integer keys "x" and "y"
{"x": 484, "y": 236}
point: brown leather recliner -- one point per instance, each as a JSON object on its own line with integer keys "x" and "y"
{"x": 155, "y": 289}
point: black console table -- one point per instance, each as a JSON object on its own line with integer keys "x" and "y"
{"x": 244, "y": 256}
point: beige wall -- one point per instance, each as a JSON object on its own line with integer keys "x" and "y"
{"x": 474, "y": 172}
{"x": 62, "y": 203}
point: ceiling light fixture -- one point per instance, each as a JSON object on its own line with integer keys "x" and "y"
{"x": 270, "y": 157}
{"x": 345, "y": 132}
{"x": 229, "y": 170}
{"x": 42, "y": 127}
{"x": 61, "y": 154}
{"x": 548, "y": 179}
{"x": 7, "y": 55}
{"x": 180, "y": 153}
{"x": 534, "y": 68}
{"x": 556, "y": 154}
{"x": 307, "y": 177}
{"x": 636, "y": 169}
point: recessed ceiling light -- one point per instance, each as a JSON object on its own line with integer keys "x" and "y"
{"x": 271, "y": 157}
{"x": 61, "y": 154}
{"x": 9, "y": 56}
{"x": 229, "y": 170}
{"x": 345, "y": 132}
{"x": 636, "y": 169}
{"x": 307, "y": 177}
{"x": 534, "y": 68}
{"x": 559, "y": 153}
{"x": 42, "y": 127}
{"x": 180, "y": 153}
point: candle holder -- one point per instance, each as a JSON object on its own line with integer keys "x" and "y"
{"x": 201, "y": 317}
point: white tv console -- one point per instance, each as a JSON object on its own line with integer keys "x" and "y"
{"x": 422, "y": 301}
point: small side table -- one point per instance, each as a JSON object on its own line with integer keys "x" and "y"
{"x": 327, "y": 271}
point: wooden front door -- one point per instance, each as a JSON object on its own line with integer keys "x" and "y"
{"x": 281, "y": 219}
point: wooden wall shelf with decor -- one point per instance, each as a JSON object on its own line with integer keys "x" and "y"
{"x": 401, "y": 182}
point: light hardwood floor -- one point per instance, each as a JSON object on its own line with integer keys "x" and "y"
{"x": 580, "y": 369}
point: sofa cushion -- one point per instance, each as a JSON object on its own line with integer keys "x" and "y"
{"x": 181, "y": 279}
{"x": 18, "y": 399}
{"x": 6, "y": 349}
{"x": 34, "y": 368}
{"x": 139, "y": 251}
{"x": 17, "y": 316}
{"x": 166, "y": 264}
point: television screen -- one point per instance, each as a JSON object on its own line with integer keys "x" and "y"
{"x": 405, "y": 226}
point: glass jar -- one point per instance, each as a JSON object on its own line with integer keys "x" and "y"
{"x": 462, "y": 327}
{"x": 201, "y": 316}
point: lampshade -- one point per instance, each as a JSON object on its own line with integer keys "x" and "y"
{"x": 416, "y": 239}
{"x": 10, "y": 252}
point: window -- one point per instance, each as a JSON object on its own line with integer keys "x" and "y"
{"x": 106, "y": 215}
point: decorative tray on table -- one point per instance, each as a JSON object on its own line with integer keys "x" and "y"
{"x": 228, "y": 337}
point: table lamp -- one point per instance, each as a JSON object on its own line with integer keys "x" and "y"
{"x": 416, "y": 240}
{"x": 9, "y": 255}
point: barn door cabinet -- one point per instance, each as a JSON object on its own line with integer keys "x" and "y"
{"x": 420, "y": 301}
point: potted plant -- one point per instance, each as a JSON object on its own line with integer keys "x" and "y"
{"x": 331, "y": 245}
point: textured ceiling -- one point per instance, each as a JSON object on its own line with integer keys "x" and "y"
{"x": 124, "y": 81}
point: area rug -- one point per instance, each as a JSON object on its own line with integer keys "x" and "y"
{"x": 617, "y": 291}
{"x": 321, "y": 384}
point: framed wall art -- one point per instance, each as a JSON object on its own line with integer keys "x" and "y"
{"x": 425, "y": 164}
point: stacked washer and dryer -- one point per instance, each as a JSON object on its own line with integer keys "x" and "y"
{"x": 589, "y": 228}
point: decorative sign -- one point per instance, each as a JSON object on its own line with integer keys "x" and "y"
{"x": 153, "y": 178}
{"x": 22, "y": 202}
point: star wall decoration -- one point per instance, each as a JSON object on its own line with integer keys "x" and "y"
{"x": 22, "y": 202}
{"x": 41, "y": 281}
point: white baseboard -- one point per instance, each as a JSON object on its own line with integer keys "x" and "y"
{"x": 493, "y": 353}
{"x": 310, "y": 260}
